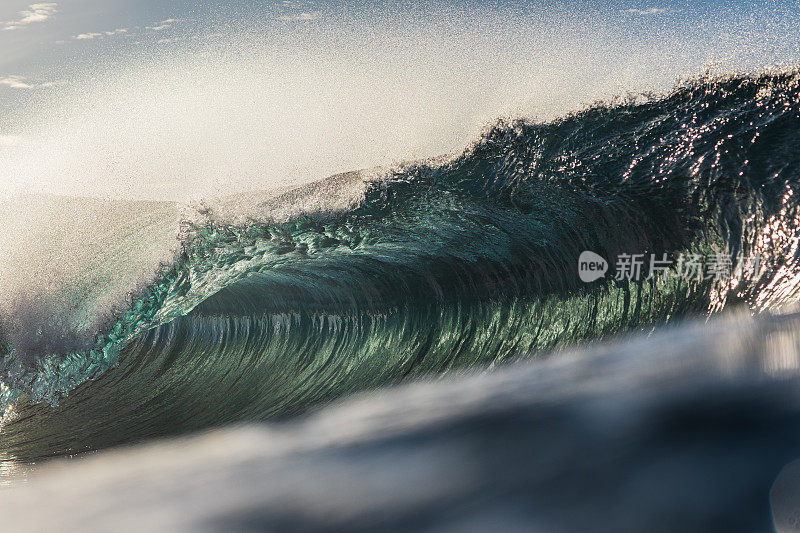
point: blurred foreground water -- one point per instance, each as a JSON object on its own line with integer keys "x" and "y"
{"x": 687, "y": 429}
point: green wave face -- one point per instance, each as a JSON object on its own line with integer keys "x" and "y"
{"x": 436, "y": 267}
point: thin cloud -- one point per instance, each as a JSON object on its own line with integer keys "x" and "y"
{"x": 84, "y": 36}
{"x": 164, "y": 25}
{"x": 160, "y": 26}
{"x": 34, "y": 13}
{"x": 95, "y": 35}
{"x": 302, "y": 17}
{"x": 648, "y": 11}
{"x": 19, "y": 82}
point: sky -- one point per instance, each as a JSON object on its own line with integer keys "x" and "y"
{"x": 157, "y": 98}
{"x": 47, "y": 44}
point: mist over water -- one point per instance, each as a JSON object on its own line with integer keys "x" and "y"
{"x": 239, "y": 105}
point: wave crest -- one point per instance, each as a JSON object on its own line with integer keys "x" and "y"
{"x": 476, "y": 253}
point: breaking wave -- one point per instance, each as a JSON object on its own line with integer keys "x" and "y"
{"x": 267, "y": 304}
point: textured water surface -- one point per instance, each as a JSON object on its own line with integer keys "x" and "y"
{"x": 262, "y": 307}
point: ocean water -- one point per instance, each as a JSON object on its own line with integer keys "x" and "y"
{"x": 127, "y": 320}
